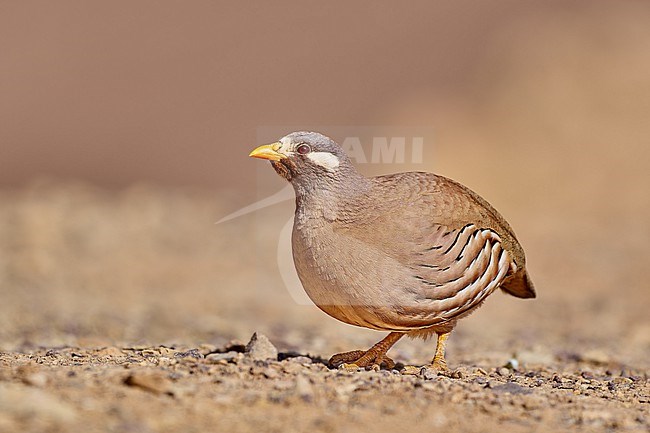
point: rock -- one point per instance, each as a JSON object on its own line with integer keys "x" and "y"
{"x": 503, "y": 372}
{"x": 152, "y": 381}
{"x": 622, "y": 381}
{"x": 512, "y": 364}
{"x": 430, "y": 373}
{"x": 480, "y": 380}
{"x": 270, "y": 373}
{"x": 459, "y": 373}
{"x": 192, "y": 353}
{"x": 225, "y": 357}
{"x": 259, "y": 348}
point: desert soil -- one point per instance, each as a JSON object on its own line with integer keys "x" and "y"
{"x": 131, "y": 311}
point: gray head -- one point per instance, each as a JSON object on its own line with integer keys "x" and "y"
{"x": 308, "y": 158}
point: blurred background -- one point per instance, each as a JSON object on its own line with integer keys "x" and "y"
{"x": 125, "y": 129}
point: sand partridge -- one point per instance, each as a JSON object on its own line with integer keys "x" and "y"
{"x": 409, "y": 253}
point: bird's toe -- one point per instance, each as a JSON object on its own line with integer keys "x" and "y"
{"x": 345, "y": 358}
{"x": 360, "y": 359}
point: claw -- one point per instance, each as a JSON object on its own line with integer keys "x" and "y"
{"x": 374, "y": 358}
{"x": 360, "y": 359}
{"x": 345, "y": 358}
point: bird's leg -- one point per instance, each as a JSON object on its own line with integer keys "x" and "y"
{"x": 439, "y": 362}
{"x": 376, "y": 355}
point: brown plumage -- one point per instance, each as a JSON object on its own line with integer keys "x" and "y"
{"x": 410, "y": 253}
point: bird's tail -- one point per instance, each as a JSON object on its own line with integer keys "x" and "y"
{"x": 519, "y": 285}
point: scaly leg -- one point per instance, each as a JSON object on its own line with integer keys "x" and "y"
{"x": 439, "y": 362}
{"x": 376, "y": 355}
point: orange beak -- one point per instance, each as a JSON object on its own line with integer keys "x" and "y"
{"x": 268, "y": 151}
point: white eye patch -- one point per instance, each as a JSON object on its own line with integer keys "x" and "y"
{"x": 326, "y": 160}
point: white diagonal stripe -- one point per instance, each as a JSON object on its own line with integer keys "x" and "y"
{"x": 284, "y": 194}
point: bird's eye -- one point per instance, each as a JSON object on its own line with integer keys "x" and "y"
{"x": 303, "y": 149}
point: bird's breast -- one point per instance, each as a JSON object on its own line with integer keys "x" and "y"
{"x": 343, "y": 276}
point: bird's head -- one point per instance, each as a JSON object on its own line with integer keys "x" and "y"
{"x": 306, "y": 157}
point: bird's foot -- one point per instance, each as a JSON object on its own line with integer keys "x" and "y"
{"x": 439, "y": 365}
{"x": 360, "y": 359}
{"x": 434, "y": 369}
{"x": 437, "y": 369}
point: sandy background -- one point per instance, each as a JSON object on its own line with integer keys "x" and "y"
{"x": 124, "y": 134}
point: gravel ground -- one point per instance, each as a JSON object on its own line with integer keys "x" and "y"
{"x": 121, "y": 311}
{"x": 235, "y": 387}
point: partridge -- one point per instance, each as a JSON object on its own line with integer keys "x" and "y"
{"x": 408, "y": 253}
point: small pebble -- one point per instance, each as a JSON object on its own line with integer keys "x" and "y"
{"x": 622, "y": 381}
{"x": 512, "y": 364}
{"x": 259, "y": 348}
{"x": 504, "y": 372}
{"x": 429, "y": 373}
{"x": 228, "y": 357}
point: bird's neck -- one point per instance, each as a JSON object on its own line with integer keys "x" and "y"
{"x": 324, "y": 197}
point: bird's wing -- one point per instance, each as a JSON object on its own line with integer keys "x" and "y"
{"x": 454, "y": 248}
{"x": 455, "y": 274}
